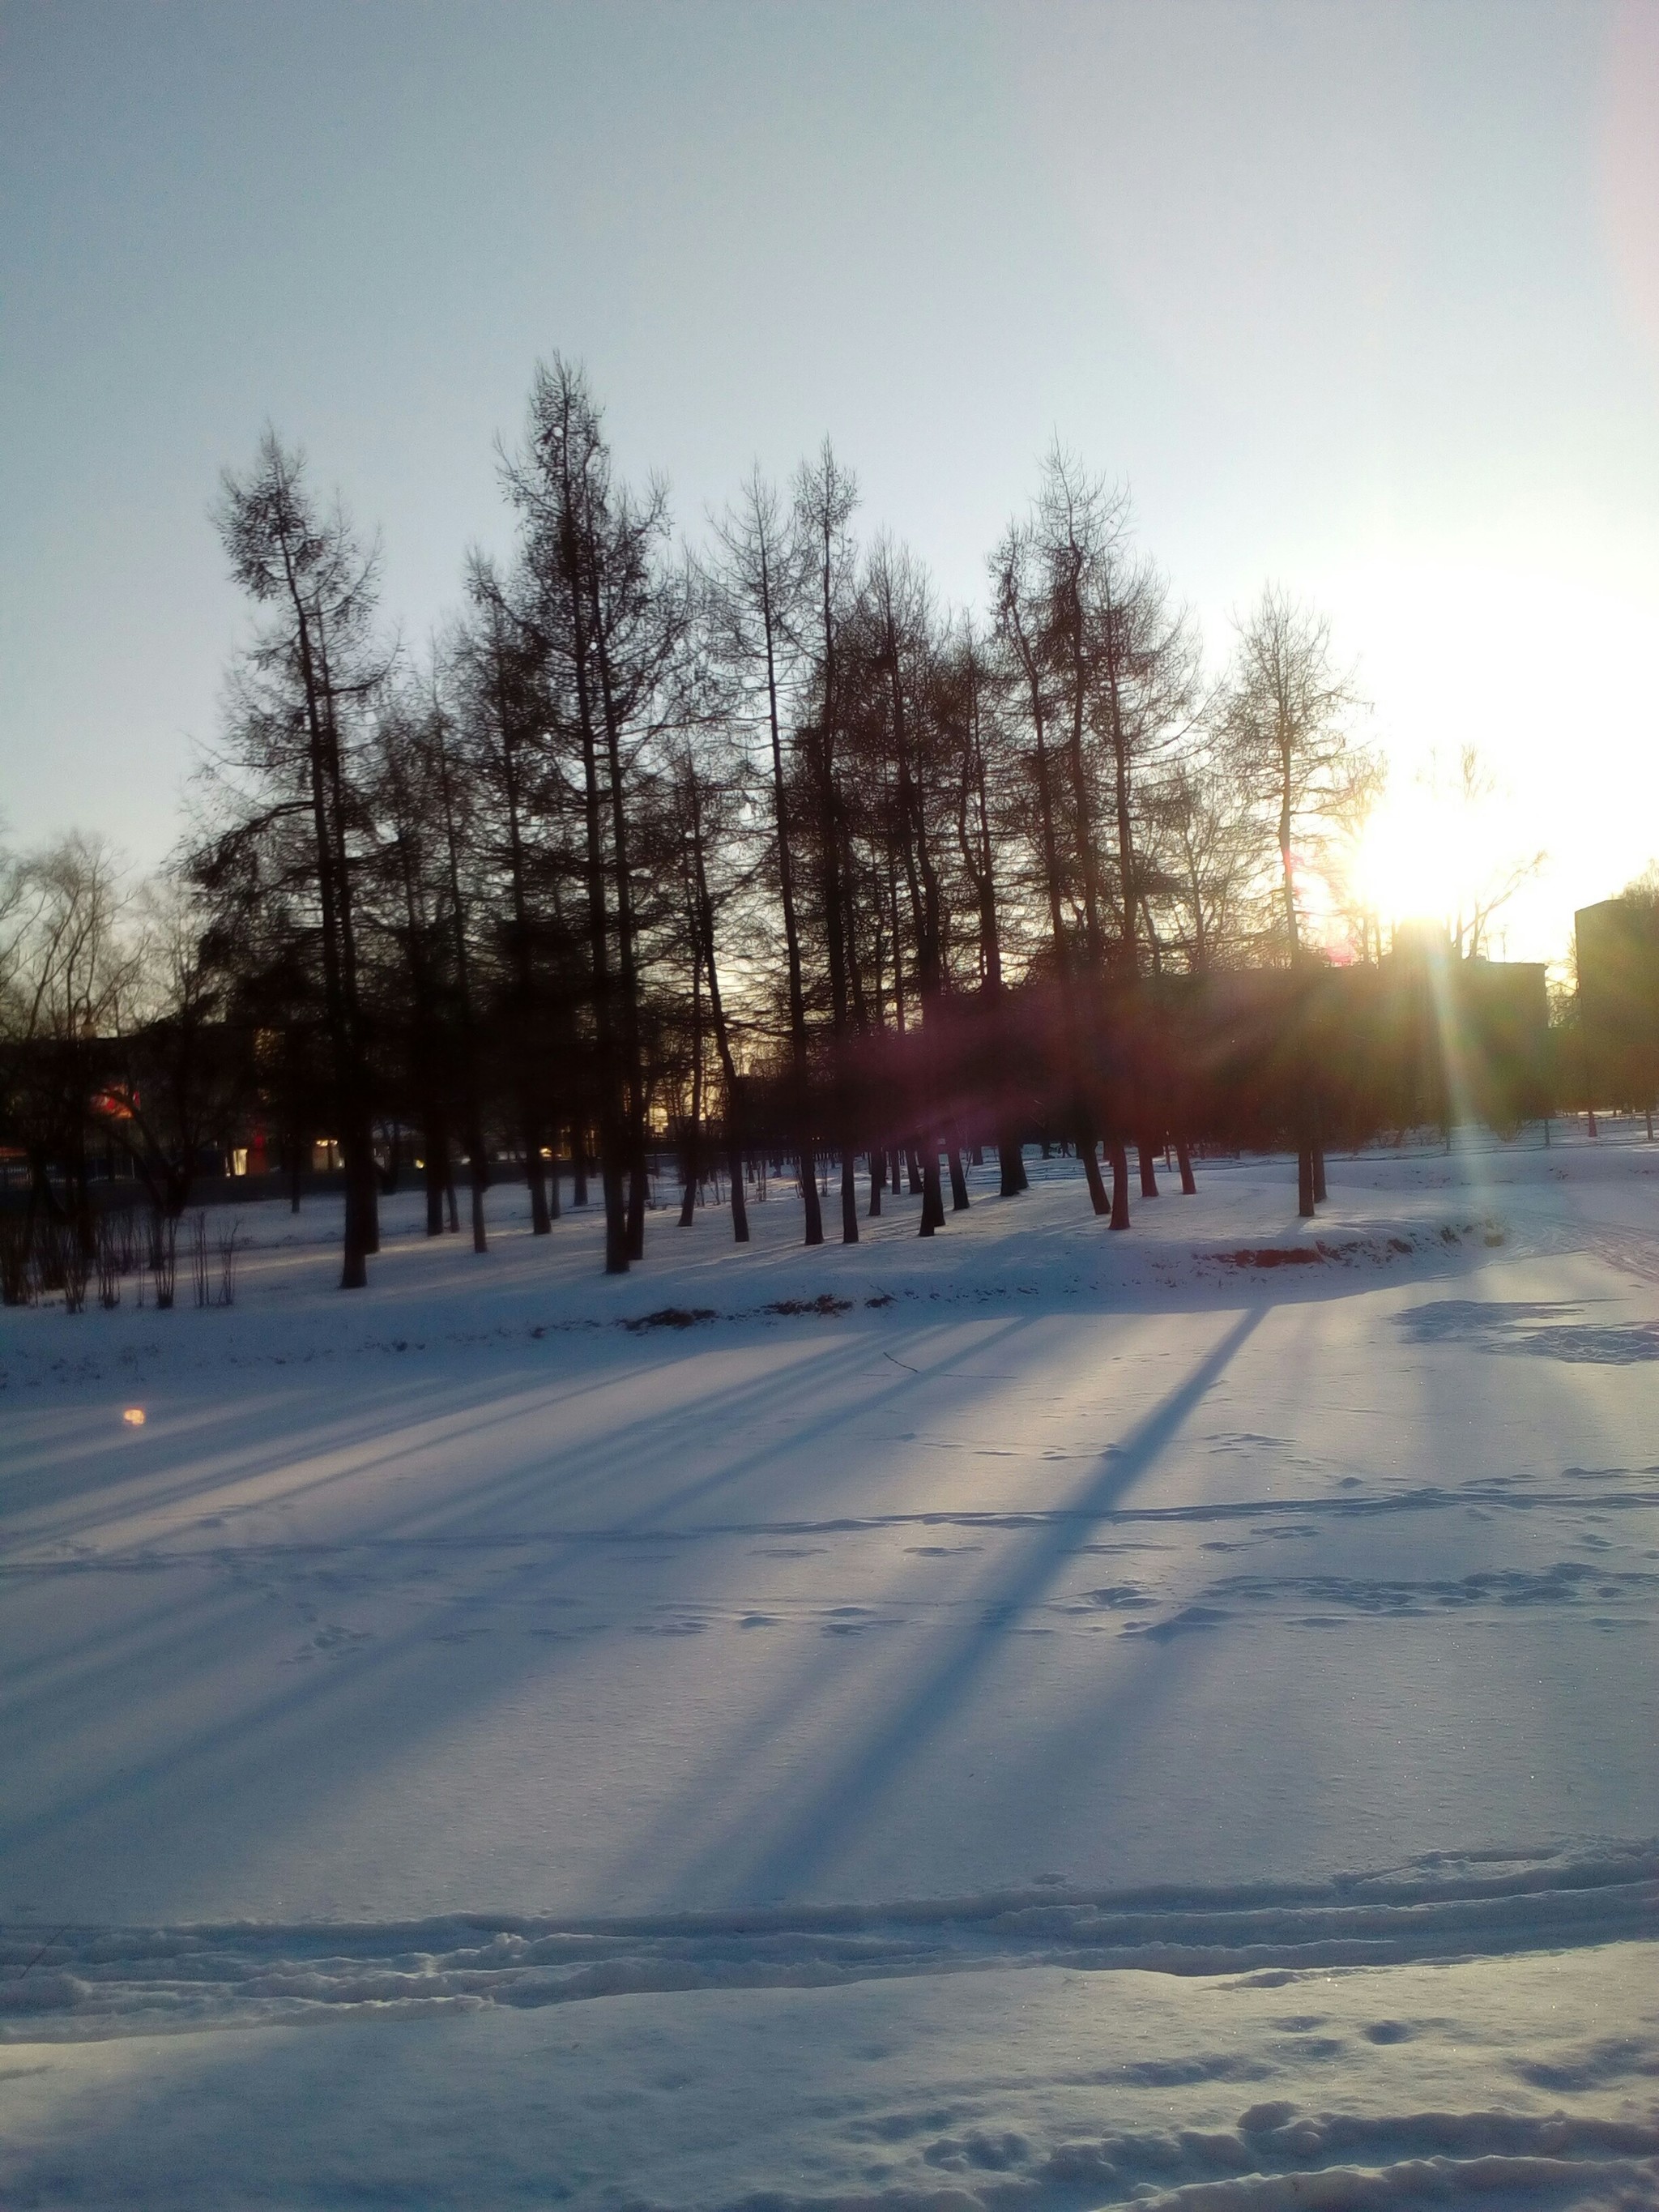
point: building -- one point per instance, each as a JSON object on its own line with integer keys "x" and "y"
{"x": 1618, "y": 943}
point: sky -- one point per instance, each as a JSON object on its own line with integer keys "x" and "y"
{"x": 1361, "y": 299}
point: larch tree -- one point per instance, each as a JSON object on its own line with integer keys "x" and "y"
{"x": 287, "y": 790}
{"x": 753, "y": 608}
{"x": 1286, "y": 716}
{"x": 825, "y": 499}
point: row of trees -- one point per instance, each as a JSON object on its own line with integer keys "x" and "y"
{"x": 756, "y": 840}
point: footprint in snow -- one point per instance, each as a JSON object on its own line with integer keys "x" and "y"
{"x": 332, "y": 1643}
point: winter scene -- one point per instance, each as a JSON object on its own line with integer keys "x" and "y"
{"x": 829, "y": 1034}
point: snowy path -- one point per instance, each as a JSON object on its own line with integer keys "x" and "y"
{"x": 1030, "y": 1660}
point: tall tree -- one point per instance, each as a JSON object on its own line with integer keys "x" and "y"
{"x": 610, "y": 622}
{"x": 754, "y": 605}
{"x": 826, "y": 499}
{"x": 1286, "y": 715}
{"x": 970, "y": 698}
{"x": 1021, "y": 574}
{"x": 495, "y": 660}
{"x": 454, "y": 811}
{"x": 898, "y": 619}
{"x": 299, "y": 699}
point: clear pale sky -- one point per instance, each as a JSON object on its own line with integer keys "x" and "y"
{"x": 1362, "y": 298}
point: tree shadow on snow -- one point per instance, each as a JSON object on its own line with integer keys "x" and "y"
{"x": 810, "y": 1832}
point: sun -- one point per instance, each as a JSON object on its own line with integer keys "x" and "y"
{"x": 1412, "y": 862}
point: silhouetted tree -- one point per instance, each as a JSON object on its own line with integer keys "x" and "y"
{"x": 291, "y": 817}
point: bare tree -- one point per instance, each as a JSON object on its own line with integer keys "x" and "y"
{"x": 1022, "y": 635}
{"x": 611, "y": 619}
{"x": 495, "y": 677}
{"x": 976, "y": 727}
{"x": 705, "y": 796}
{"x": 1469, "y": 789}
{"x": 826, "y": 498}
{"x": 897, "y": 617}
{"x": 286, "y": 787}
{"x": 454, "y": 813}
{"x": 1206, "y": 845}
{"x": 754, "y": 605}
{"x": 1287, "y": 717}
{"x": 72, "y": 972}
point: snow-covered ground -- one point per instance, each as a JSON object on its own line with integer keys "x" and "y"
{"x": 1080, "y": 1718}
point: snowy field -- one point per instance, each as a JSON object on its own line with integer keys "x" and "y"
{"x": 1081, "y": 1719}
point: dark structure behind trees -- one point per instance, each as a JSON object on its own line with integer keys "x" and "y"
{"x": 1617, "y": 1040}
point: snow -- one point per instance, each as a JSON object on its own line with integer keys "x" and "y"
{"x": 1077, "y": 1718}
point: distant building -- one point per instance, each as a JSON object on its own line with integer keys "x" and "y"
{"x": 1470, "y": 1038}
{"x": 1617, "y": 945}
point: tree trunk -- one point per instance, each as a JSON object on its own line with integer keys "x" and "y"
{"x": 478, "y": 1177}
{"x": 959, "y": 1200}
{"x": 808, "y": 1159}
{"x": 740, "y": 1200}
{"x": 616, "y": 1214}
{"x": 1148, "y": 1168}
{"x": 638, "y": 1188}
{"x": 1120, "y": 1183}
{"x": 1085, "y": 1149}
{"x": 690, "y": 1170}
{"x": 1184, "y": 1162}
{"x": 690, "y": 1144}
{"x": 728, "y": 1066}
{"x": 478, "y": 1167}
{"x": 933, "y": 1201}
{"x": 809, "y": 1182}
{"x": 435, "y": 1172}
{"x": 541, "y": 1221}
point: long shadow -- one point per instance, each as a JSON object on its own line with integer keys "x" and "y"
{"x": 642, "y": 1448}
{"x": 843, "y": 1800}
{"x": 331, "y": 1450}
{"x": 437, "y": 1525}
{"x": 451, "y": 1398}
{"x": 632, "y": 1445}
{"x": 238, "y": 1740}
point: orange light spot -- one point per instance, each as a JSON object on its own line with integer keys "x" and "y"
{"x": 133, "y": 1417}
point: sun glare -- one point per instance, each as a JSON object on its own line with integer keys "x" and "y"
{"x": 1412, "y": 861}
